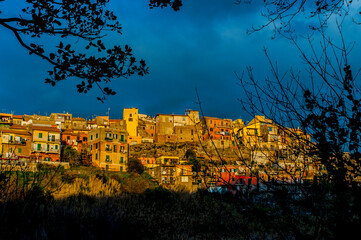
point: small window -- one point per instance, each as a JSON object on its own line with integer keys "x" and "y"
{"x": 96, "y": 156}
{"x": 91, "y": 137}
{"x": 270, "y": 129}
{"x": 115, "y": 148}
{"x": 121, "y": 159}
{"x": 40, "y": 135}
{"x": 122, "y": 138}
{"x": 96, "y": 135}
{"x": 56, "y": 147}
{"x": 115, "y": 136}
{"x": 39, "y": 146}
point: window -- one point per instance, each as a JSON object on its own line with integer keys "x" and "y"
{"x": 270, "y": 129}
{"x": 122, "y": 138}
{"x": 255, "y": 132}
{"x": 40, "y": 135}
{"x": 39, "y": 146}
{"x": 68, "y": 138}
{"x": 121, "y": 168}
{"x": 96, "y": 146}
{"x": 115, "y": 148}
{"x": 107, "y": 158}
{"x": 121, "y": 159}
{"x": 96, "y": 156}
{"x": 91, "y": 147}
{"x": 115, "y": 136}
{"x": 223, "y": 170}
{"x": 56, "y": 147}
{"x": 91, "y": 137}
{"x": 19, "y": 150}
{"x": 96, "y": 135}
{"x": 184, "y": 178}
{"x": 47, "y": 147}
{"x": 108, "y": 135}
{"x": 107, "y": 147}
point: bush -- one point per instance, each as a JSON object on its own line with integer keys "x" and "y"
{"x": 135, "y": 166}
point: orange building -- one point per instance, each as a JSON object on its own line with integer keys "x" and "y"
{"x": 77, "y": 139}
{"x": 216, "y": 128}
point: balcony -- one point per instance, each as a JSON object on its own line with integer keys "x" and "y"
{"x": 22, "y": 142}
{"x": 53, "y": 139}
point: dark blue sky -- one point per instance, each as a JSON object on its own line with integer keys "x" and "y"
{"x": 201, "y": 46}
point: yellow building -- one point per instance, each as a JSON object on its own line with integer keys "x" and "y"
{"x": 193, "y": 117}
{"x": 165, "y": 172}
{"x": 46, "y": 143}
{"x": 130, "y": 115}
{"x": 15, "y": 142}
{"x": 131, "y": 118}
{"x": 261, "y": 133}
{"x": 5, "y": 119}
{"x": 62, "y": 119}
{"x": 177, "y": 128}
{"x": 108, "y": 147}
{"x": 17, "y": 119}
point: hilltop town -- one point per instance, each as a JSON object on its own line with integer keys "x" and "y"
{"x": 188, "y": 151}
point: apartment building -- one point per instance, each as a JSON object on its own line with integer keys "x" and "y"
{"x": 46, "y": 143}
{"x": 108, "y": 147}
{"x": 15, "y": 142}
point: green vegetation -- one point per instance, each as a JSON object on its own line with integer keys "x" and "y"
{"x": 87, "y": 203}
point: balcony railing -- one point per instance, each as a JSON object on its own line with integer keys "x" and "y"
{"x": 16, "y": 142}
{"x": 53, "y": 139}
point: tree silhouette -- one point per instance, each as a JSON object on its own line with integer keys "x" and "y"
{"x": 85, "y": 21}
